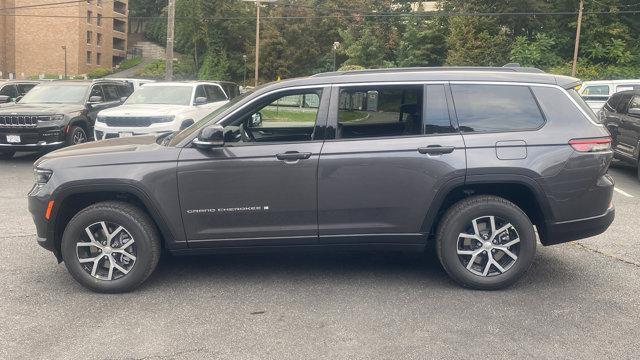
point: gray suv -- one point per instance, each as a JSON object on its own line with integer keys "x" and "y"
{"x": 481, "y": 162}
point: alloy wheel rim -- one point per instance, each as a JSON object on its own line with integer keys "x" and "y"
{"x": 106, "y": 251}
{"x": 489, "y": 246}
{"x": 79, "y": 137}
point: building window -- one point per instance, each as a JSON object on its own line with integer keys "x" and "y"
{"x": 99, "y": 20}
{"x": 89, "y": 16}
{"x": 88, "y": 57}
{"x": 98, "y": 39}
{"x": 98, "y": 58}
{"x": 89, "y": 37}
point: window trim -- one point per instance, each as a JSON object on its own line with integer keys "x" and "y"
{"x": 330, "y": 86}
{"x": 321, "y": 117}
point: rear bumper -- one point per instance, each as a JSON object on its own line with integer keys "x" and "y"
{"x": 565, "y": 231}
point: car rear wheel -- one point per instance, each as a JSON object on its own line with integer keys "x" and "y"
{"x": 76, "y": 135}
{"x": 485, "y": 242}
{"x": 111, "y": 247}
{"x": 6, "y": 154}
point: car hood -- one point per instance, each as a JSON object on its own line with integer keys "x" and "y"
{"x": 139, "y": 110}
{"x": 117, "y": 150}
{"x": 39, "y": 109}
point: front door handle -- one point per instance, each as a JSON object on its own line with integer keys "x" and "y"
{"x": 293, "y": 155}
{"x": 436, "y": 150}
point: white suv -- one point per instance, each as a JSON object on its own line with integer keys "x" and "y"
{"x": 596, "y": 93}
{"x": 161, "y": 107}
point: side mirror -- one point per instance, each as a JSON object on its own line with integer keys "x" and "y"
{"x": 19, "y": 98}
{"x": 634, "y": 112}
{"x": 211, "y": 136}
{"x": 200, "y": 100}
{"x": 123, "y": 99}
{"x": 256, "y": 120}
{"x": 4, "y": 99}
{"x": 95, "y": 99}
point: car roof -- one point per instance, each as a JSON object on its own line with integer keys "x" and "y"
{"x": 6, "y": 81}
{"x": 82, "y": 82}
{"x": 426, "y": 74}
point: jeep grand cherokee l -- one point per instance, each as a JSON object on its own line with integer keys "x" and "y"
{"x": 55, "y": 114}
{"x": 471, "y": 159}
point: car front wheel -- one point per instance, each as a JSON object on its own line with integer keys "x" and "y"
{"x": 486, "y": 242}
{"x": 76, "y": 135}
{"x": 111, "y": 247}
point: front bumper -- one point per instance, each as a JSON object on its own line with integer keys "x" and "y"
{"x": 33, "y": 139}
{"x": 102, "y": 132}
{"x": 565, "y": 231}
{"x": 37, "y": 203}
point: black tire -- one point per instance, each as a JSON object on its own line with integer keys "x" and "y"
{"x": 76, "y": 135}
{"x": 455, "y": 222}
{"x": 136, "y": 222}
{"x": 7, "y": 154}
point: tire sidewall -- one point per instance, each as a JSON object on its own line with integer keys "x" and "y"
{"x": 76, "y": 228}
{"x": 513, "y": 215}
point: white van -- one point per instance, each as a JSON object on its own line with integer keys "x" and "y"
{"x": 596, "y": 93}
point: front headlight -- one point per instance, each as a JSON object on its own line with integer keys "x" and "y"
{"x": 100, "y": 119}
{"x": 42, "y": 176}
{"x": 166, "y": 118}
{"x": 57, "y": 117}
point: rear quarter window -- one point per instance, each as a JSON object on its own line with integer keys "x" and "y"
{"x": 491, "y": 108}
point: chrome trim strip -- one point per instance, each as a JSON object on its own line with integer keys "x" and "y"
{"x": 33, "y": 145}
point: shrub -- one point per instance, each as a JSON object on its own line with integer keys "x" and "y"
{"x": 129, "y": 63}
{"x": 98, "y": 72}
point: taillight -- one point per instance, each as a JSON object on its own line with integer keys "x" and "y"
{"x": 591, "y": 145}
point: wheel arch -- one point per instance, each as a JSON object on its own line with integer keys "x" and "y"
{"x": 520, "y": 190}
{"x": 71, "y": 199}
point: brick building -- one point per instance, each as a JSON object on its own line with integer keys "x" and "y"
{"x": 33, "y": 34}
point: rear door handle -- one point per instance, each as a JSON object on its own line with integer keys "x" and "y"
{"x": 293, "y": 155}
{"x": 436, "y": 150}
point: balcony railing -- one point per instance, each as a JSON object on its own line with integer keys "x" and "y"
{"x": 119, "y": 25}
{"x": 120, "y": 7}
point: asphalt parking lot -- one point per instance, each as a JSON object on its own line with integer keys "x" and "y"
{"x": 579, "y": 300}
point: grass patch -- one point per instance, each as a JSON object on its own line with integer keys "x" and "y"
{"x": 347, "y": 116}
{"x": 289, "y": 115}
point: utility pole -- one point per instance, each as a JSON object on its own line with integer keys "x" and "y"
{"x": 335, "y": 47}
{"x": 171, "y": 18}
{"x": 257, "y": 66}
{"x": 577, "y": 46}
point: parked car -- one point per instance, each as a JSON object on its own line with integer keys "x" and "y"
{"x": 13, "y": 90}
{"x": 470, "y": 159}
{"x": 162, "y": 107}
{"x": 621, "y": 116}
{"x": 596, "y": 93}
{"x": 55, "y": 114}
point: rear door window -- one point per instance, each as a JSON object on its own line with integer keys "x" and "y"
{"x": 111, "y": 92}
{"x": 437, "y": 119}
{"x": 491, "y": 108}
{"x": 380, "y": 111}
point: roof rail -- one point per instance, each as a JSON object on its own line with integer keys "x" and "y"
{"x": 507, "y": 68}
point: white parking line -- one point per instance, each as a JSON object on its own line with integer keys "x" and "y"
{"x": 622, "y": 192}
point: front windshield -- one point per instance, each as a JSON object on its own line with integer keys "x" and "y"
{"x": 56, "y": 94}
{"x": 161, "y": 95}
{"x": 207, "y": 119}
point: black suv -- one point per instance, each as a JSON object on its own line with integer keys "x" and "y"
{"x": 621, "y": 115}
{"x": 470, "y": 159}
{"x": 14, "y": 90}
{"x": 55, "y": 114}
